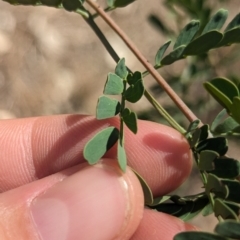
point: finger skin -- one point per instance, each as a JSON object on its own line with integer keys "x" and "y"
{"x": 78, "y": 217}
{"x": 34, "y": 148}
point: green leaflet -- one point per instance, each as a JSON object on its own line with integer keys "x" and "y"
{"x": 217, "y": 21}
{"x": 122, "y": 158}
{"x": 215, "y": 185}
{"x": 52, "y": 3}
{"x": 218, "y": 119}
{"x": 135, "y": 91}
{"x": 229, "y": 229}
{"x": 187, "y": 34}
{"x": 130, "y": 119}
{"x": 160, "y": 53}
{"x": 72, "y": 5}
{"x": 173, "y": 56}
{"x": 235, "y": 112}
{"x": 230, "y": 37}
{"x": 114, "y": 85}
{"x": 203, "y": 43}
{"x": 217, "y": 144}
{"x": 234, "y": 23}
{"x": 148, "y": 196}
{"x": 223, "y": 210}
{"x": 227, "y": 126}
{"x": 119, "y": 3}
{"x": 198, "y": 236}
{"x": 107, "y": 107}
{"x": 206, "y": 160}
{"x": 134, "y": 78}
{"x": 121, "y": 69}
{"x": 100, "y": 144}
{"x": 233, "y": 187}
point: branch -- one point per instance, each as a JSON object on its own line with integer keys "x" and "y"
{"x": 176, "y": 99}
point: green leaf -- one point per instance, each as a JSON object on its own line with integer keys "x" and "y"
{"x": 159, "y": 200}
{"x": 114, "y": 85}
{"x": 23, "y": 2}
{"x": 161, "y": 52}
{"x": 226, "y": 168}
{"x": 100, "y": 144}
{"x": 235, "y": 109}
{"x": 217, "y": 21}
{"x": 203, "y": 43}
{"x": 207, "y": 210}
{"x": 227, "y": 126}
{"x": 221, "y": 209}
{"x": 215, "y": 185}
{"x": 130, "y": 119}
{"x": 121, "y": 69}
{"x": 195, "y": 137}
{"x": 233, "y": 187}
{"x": 198, "y": 236}
{"x": 218, "y": 119}
{"x": 229, "y": 229}
{"x": 53, "y": 3}
{"x": 122, "y": 158}
{"x": 135, "y": 92}
{"x": 187, "y": 34}
{"x": 107, "y": 107}
{"x": 193, "y": 125}
{"x": 134, "y": 78}
{"x": 230, "y": 37}
{"x": 169, "y": 208}
{"x": 234, "y": 23}
{"x": 204, "y": 132}
{"x": 110, "y": 3}
{"x": 173, "y": 56}
{"x": 217, "y": 144}
{"x": 122, "y": 3}
{"x": 148, "y": 196}
{"x": 206, "y": 160}
{"x": 227, "y": 87}
{"x": 72, "y": 5}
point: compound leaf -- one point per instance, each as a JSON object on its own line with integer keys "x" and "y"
{"x": 203, "y": 43}
{"x": 187, "y": 34}
{"x": 114, "y": 85}
{"x": 122, "y": 158}
{"x": 130, "y": 119}
{"x": 161, "y": 52}
{"x": 217, "y": 21}
{"x": 229, "y": 229}
{"x": 121, "y": 69}
{"x": 107, "y": 107}
{"x": 100, "y": 144}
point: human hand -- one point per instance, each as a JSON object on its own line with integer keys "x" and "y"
{"x": 49, "y": 192}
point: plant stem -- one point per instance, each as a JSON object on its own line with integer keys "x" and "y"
{"x": 177, "y": 100}
{"x": 116, "y": 58}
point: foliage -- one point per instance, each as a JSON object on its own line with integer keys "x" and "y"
{"x": 209, "y": 145}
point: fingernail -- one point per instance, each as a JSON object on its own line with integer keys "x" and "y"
{"x": 90, "y": 204}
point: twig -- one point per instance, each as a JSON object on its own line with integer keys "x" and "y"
{"x": 176, "y": 99}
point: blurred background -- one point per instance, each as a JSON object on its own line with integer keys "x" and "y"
{"x": 51, "y": 62}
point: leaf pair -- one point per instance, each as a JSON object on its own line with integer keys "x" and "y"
{"x": 210, "y": 38}
{"x": 116, "y": 84}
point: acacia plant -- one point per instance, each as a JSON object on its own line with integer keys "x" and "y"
{"x": 219, "y": 173}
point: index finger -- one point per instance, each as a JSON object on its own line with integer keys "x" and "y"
{"x": 33, "y": 148}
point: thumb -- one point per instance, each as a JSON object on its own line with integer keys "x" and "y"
{"x": 96, "y": 202}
